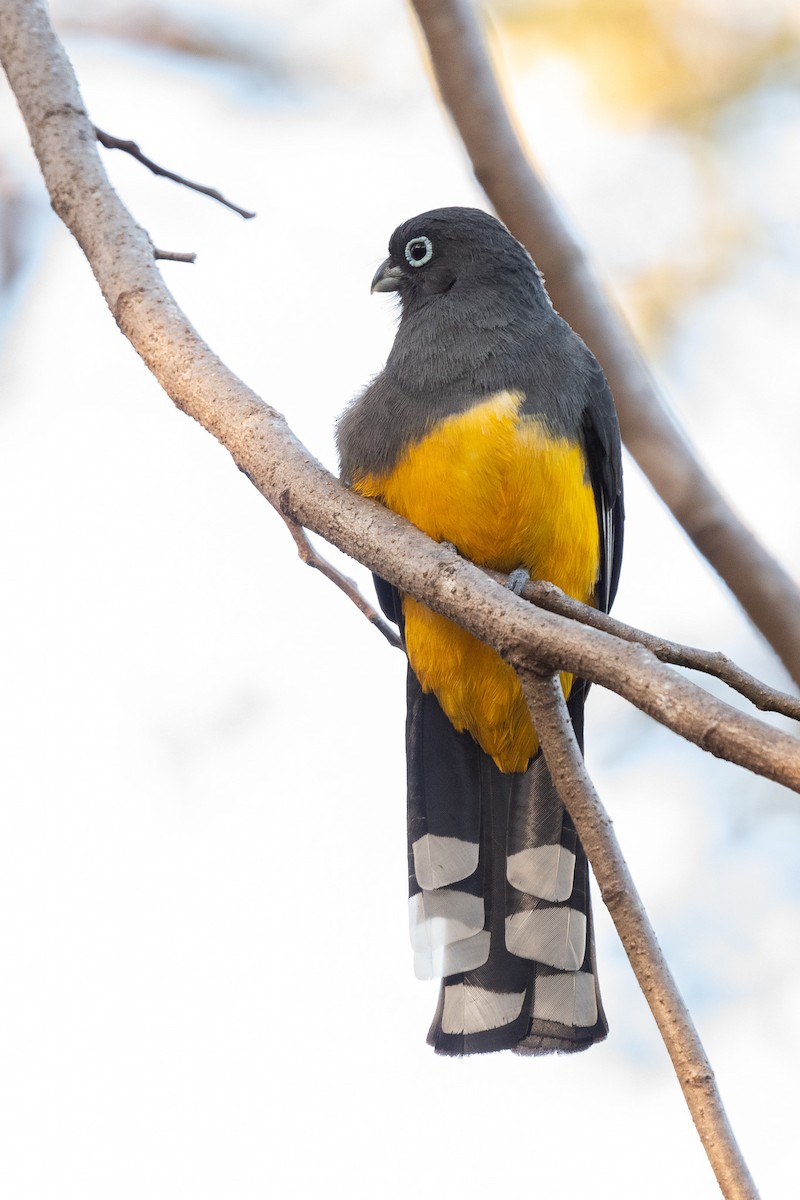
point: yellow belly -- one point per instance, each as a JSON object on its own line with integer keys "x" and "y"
{"x": 508, "y": 495}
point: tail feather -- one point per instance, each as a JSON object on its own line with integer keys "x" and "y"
{"x": 499, "y": 888}
{"x": 447, "y": 922}
{"x": 453, "y": 957}
{"x": 541, "y": 838}
{"x": 567, "y": 1013}
{"x": 444, "y": 802}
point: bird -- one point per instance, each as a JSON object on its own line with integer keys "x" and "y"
{"x": 492, "y": 428}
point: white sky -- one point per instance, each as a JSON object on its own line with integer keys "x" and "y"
{"x": 205, "y": 982}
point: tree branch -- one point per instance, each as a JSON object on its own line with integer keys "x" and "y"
{"x": 470, "y": 91}
{"x": 121, "y": 256}
{"x": 596, "y": 832}
{"x": 114, "y": 143}
{"x": 262, "y": 446}
{"x": 710, "y": 662}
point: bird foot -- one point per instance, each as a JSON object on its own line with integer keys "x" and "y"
{"x": 517, "y": 580}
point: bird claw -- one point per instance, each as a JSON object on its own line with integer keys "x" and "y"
{"x": 517, "y": 580}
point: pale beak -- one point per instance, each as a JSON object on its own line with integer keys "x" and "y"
{"x": 386, "y": 278}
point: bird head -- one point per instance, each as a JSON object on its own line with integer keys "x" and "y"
{"x": 453, "y": 250}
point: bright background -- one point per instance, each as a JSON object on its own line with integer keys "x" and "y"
{"x": 205, "y": 983}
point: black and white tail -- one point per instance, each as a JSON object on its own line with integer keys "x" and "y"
{"x": 499, "y": 895}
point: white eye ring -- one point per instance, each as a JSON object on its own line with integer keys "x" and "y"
{"x": 416, "y": 244}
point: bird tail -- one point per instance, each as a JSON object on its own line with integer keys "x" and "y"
{"x": 499, "y": 895}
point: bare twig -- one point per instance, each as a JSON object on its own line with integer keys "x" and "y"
{"x": 469, "y": 88}
{"x": 565, "y": 762}
{"x": 312, "y": 559}
{"x": 114, "y": 143}
{"x": 174, "y": 255}
{"x": 710, "y": 662}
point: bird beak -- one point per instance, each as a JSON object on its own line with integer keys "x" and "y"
{"x": 386, "y": 278}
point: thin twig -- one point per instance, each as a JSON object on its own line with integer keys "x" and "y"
{"x": 114, "y": 143}
{"x": 596, "y": 832}
{"x": 710, "y": 662}
{"x": 188, "y": 256}
{"x": 313, "y": 559}
{"x": 470, "y": 90}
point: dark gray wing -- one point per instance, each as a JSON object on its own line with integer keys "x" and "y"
{"x": 601, "y": 440}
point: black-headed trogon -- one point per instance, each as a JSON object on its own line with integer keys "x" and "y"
{"x": 491, "y": 427}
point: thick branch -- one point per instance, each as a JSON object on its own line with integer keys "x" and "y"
{"x": 262, "y": 446}
{"x": 469, "y": 89}
{"x": 565, "y": 762}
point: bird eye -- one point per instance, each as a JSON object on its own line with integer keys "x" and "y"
{"x": 419, "y": 251}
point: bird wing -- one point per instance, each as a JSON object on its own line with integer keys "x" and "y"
{"x": 601, "y": 440}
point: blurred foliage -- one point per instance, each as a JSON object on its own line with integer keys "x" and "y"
{"x": 695, "y": 70}
{"x": 678, "y": 61}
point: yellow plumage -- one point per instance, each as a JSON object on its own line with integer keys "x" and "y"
{"x": 507, "y": 494}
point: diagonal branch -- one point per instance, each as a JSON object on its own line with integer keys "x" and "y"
{"x": 264, "y": 448}
{"x": 547, "y": 596}
{"x": 470, "y": 91}
{"x": 596, "y": 832}
{"x": 312, "y": 559}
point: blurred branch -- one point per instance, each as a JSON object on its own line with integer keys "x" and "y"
{"x": 114, "y": 143}
{"x": 469, "y": 88}
{"x": 596, "y": 832}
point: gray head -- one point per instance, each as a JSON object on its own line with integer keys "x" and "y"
{"x": 475, "y": 320}
{"x": 474, "y": 307}
{"x": 453, "y": 252}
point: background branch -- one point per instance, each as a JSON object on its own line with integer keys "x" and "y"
{"x": 469, "y": 88}
{"x": 595, "y": 829}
